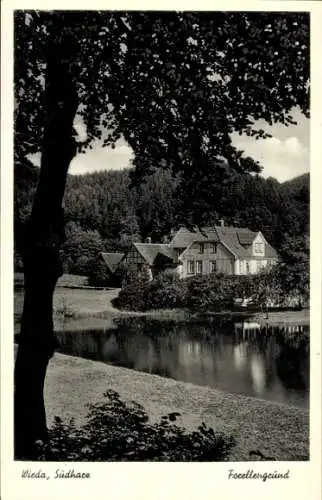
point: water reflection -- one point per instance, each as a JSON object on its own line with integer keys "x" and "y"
{"x": 258, "y": 374}
{"x": 244, "y": 358}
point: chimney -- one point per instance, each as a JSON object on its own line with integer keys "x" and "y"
{"x": 148, "y": 239}
{"x": 222, "y": 222}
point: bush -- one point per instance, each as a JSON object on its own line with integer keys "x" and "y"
{"x": 209, "y": 293}
{"x": 213, "y": 292}
{"x": 132, "y": 297}
{"x": 98, "y": 273}
{"x": 166, "y": 291}
{"x": 117, "y": 431}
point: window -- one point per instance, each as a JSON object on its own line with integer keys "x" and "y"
{"x": 213, "y": 266}
{"x": 213, "y": 247}
{"x": 191, "y": 267}
{"x": 201, "y": 248}
{"x": 199, "y": 266}
{"x": 261, "y": 265}
{"x": 259, "y": 248}
{"x": 247, "y": 268}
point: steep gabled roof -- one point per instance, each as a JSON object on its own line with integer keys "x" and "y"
{"x": 149, "y": 251}
{"x": 270, "y": 252}
{"x": 239, "y": 241}
{"x": 184, "y": 237}
{"x": 112, "y": 260}
{"x": 236, "y": 239}
{"x": 245, "y": 236}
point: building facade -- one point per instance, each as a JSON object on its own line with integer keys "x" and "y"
{"x": 219, "y": 249}
{"x": 150, "y": 259}
{"x": 222, "y": 249}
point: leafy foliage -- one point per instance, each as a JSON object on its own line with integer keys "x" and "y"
{"x": 163, "y": 292}
{"x": 81, "y": 249}
{"x": 294, "y": 270}
{"x": 116, "y": 430}
{"x": 168, "y": 82}
{"x": 133, "y": 295}
{"x": 98, "y": 274}
{"x": 279, "y": 286}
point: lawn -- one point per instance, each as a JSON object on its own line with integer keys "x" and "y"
{"x": 276, "y": 430}
{"x": 73, "y": 300}
{"x": 77, "y": 303}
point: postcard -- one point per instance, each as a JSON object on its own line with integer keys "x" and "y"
{"x": 161, "y": 250}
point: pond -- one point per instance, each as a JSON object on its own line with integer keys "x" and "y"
{"x": 238, "y": 357}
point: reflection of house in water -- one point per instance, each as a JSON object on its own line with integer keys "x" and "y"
{"x": 244, "y": 358}
{"x": 249, "y": 358}
{"x": 258, "y": 372}
{"x": 240, "y": 355}
{"x": 246, "y": 328}
{"x": 194, "y": 358}
{"x": 250, "y": 363}
{"x": 273, "y": 363}
{"x": 144, "y": 354}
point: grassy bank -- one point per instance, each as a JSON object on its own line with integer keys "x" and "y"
{"x": 280, "y": 318}
{"x": 276, "y": 430}
{"x": 72, "y": 303}
{"x": 84, "y": 303}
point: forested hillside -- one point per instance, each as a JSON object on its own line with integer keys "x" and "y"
{"x": 103, "y": 211}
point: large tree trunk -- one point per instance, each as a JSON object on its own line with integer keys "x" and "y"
{"x": 43, "y": 236}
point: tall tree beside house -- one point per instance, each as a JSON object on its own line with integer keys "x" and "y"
{"x": 80, "y": 249}
{"x": 175, "y": 85}
{"x": 129, "y": 232}
{"x": 294, "y": 270}
{"x": 157, "y": 204}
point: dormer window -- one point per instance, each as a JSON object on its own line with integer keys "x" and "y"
{"x": 259, "y": 248}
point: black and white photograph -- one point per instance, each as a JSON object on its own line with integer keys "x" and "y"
{"x": 161, "y": 238}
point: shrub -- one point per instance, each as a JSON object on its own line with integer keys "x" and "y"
{"x": 213, "y": 292}
{"x": 132, "y": 297}
{"x": 98, "y": 273}
{"x": 118, "y": 431}
{"x": 166, "y": 291}
{"x": 209, "y": 293}
{"x": 198, "y": 293}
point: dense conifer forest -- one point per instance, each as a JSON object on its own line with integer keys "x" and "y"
{"x": 104, "y": 212}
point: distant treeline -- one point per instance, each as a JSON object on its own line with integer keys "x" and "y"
{"x": 104, "y": 212}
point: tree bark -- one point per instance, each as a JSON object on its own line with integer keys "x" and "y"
{"x": 44, "y": 234}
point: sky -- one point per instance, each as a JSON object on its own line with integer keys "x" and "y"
{"x": 284, "y": 156}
